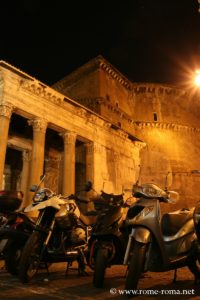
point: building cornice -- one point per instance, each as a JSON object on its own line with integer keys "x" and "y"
{"x": 158, "y": 89}
{"x": 41, "y": 90}
{"x": 170, "y": 126}
{"x": 93, "y": 103}
{"x": 15, "y": 70}
{"x": 94, "y": 64}
{"x": 114, "y": 73}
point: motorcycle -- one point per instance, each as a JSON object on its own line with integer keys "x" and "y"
{"x": 15, "y": 228}
{"x": 109, "y": 238}
{"x": 158, "y": 244}
{"x": 61, "y": 232}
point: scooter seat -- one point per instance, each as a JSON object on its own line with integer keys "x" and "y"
{"x": 172, "y": 222}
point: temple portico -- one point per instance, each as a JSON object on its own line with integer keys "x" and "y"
{"x": 55, "y": 135}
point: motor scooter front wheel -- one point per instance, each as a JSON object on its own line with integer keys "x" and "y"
{"x": 100, "y": 265}
{"x": 31, "y": 257}
{"x": 136, "y": 265}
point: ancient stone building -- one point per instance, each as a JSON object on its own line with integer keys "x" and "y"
{"x": 43, "y": 130}
{"x": 96, "y": 124}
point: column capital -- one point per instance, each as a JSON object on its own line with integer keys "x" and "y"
{"x": 39, "y": 125}
{"x": 69, "y": 137}
{"x": 93, "y": 147}
{"x": 6, "y": 110}
{"x": 26, "y": 155}
{"x": 116, "y": 156}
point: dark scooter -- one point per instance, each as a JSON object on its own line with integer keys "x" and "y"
{"x": 107, "y": 244}
{"x": 158, "y": 244}
{"x": 15, "y": 229}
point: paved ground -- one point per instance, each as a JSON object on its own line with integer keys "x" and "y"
{"x": 73, "y": 287}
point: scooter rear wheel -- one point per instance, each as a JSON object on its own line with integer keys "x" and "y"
{"x": 136, "y": 266}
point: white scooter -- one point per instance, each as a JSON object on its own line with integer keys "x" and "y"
{"x": 158, "y": 244}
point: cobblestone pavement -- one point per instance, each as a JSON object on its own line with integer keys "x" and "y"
{"x": 59, "y": 286}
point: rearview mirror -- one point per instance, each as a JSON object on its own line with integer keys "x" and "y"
{"x": 195, "y": 171}
{"x": 173, "y": 197}
{"x": 42, "y": 177}
{"x": 33, "y": 188}
{"x": 88, "y": 186}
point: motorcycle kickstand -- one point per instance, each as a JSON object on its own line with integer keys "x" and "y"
{"x": 81, "y": 264}
{"x": 47, "y": 269}
{"x": 126, "y": 273}
{"x": 69, "y": 264}
{"x": 175, "y": 276}
{"x": 45, "y": 266}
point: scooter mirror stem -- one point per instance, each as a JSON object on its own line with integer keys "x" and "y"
{"x": 139, "y": 175}
{"x": 195, "y": 171}
{"x": 166, "y": 181}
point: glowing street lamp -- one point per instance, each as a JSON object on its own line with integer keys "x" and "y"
{"x": 197, "y": 78}
{"x": 199, "y": 6}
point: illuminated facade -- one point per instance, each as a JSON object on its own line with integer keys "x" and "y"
{"x": 164, "y": 117}
{"x": 95, "y": 124}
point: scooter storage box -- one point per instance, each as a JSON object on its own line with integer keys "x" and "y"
{"x": 10, "y": 200}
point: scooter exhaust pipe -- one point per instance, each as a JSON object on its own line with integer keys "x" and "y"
{"x": 73, "y": 252}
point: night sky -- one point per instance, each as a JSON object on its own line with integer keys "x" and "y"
{"x": 146, "y": 40}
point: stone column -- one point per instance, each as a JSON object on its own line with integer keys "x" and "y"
{"x": 15, "y": 179}
{"x": 94, "y": 164}
{"x": 5, "y": 114}
{"x": 90, "y": 161}
{"x": 37, "y": 159}
{"x": 68, "y": 183}
{"x": 26, "y": 157}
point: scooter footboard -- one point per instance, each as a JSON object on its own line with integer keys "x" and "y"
{"x": 139, "y": 234}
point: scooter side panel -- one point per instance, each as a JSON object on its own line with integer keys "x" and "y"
{"x": 186, "y": 229}
{"x": 180, "y": 246}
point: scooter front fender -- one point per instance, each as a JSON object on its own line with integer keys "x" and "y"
{"x": 141, "y": 235}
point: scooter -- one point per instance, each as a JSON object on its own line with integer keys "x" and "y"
{"x": 108, "y": 241}
{"x": 158, "y": 244}
{"x": 15, "y": 229}
{"x": 10, "y": 201}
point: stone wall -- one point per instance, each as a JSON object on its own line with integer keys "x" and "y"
{"x": 164, "y": 117}
{"x": 174, "y": 151}
{"x": 171, "y": 104}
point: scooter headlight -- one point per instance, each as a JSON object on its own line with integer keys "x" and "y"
{"x": 42, "y": 195}
{"x": 39, "y": 196}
